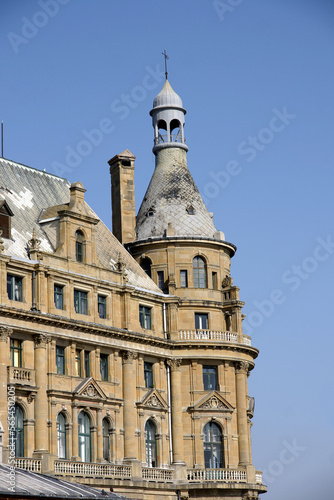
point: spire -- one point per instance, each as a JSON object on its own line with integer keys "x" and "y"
{"x": 166, "y": 57}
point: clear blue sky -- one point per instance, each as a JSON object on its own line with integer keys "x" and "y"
{"x": 257, "y": 79}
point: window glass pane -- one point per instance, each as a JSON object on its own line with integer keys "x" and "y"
{"x": 61, "y": 436}
{"x": 184, "y": 278}
{"x": 161, "y": 280}
{"x": 104, "y": 366}
{"x": 201, "y": 321}
{"x": 213, "y": 449}
{"x": 84, "y": 435}
{"x": 58, "y": 296}
{"x": 14, "y": 287}
{"x": 199, "y": 272}
{"x": 148, "y": 374}
{"x": 87, "y": 371}
{"x": 145, "y": 317}
{"x": 19, "y": 432}
{"x": 80, "y": 302}
{"x": 106, "y": 440}
{"x": 78, "y": 363}
{"x": 60, "y": 360}
{"x": 210, "y": 378}
{"x": 151, "y": 445}
{"x": 102, "y": 301}
{"x": 79, "y": 246}
{"x": 16, "y": 352}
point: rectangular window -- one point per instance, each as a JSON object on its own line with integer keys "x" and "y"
{"x": 161, "y": 280}
{"x": 184, "y": 278}
{"x": 210, "y": 378}
{"x": 14, "y": 287}
{"x": 60, "y": 360}
{"x": 59, "y": 296}
{"x": 78, "y": 363}
{"x": 16, "y": 352}
{"x": 102, "y": 306}
{"x": 145, "y": 317}
{"x": 87, "y": 363}
{"x": 104, "y": 366}
{"x": 148, "y": 374}
{"x": 201, "y": 321}
{"x": 214, "y": 281}
{"x": 80, "y": 302}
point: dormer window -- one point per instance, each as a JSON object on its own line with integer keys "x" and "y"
{"x": 5, "y": 215}
{"x": 190, "y": 210}
{"x": 150, "y": 212}
{"x": 79, "y": 246}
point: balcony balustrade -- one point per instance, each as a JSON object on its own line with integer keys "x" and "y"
{"x": 213, "y": 336}
{"x": 216, "y": 475}
{"x": 87, "y": 469}
{"x": 29, "y": 464}
{"x": 24, "y": 376}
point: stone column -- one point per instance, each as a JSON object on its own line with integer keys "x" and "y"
{"x": 41, "y": 402}
{"x": 99, "y": 436}
{"x": 241, "y": 384}
{"x": 129, "y": 409}
{"x": 75, "y": 438}
{"x": 176, "y": 408}
{"x": 5, "y": 332}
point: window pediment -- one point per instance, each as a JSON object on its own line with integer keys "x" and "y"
{"x": 153, "y": 400}
{"x": 89, "y": 388}
{"x": 213, "y": 402}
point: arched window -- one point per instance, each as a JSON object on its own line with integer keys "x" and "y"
{"x": 162, "y": 132}
{"x": 84, "y": 437}
{"x": 106, "y": 439}
{"x": 151, "y": 444}
{"x": 146, "y": 264}
{"x": 79, "y": 246}
{"x": 175, "y": 131}
{"x": 213, "y": 449}
{"x": 199, "y": 272}
{"x": 61, "y": 430}
{"x": 19, "y": 432}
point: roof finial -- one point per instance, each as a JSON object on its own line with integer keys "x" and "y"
{"x": 166, "y": 57}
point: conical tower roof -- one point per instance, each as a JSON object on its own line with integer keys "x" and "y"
{"x": 172, "y": 199}
{"x": 167, "y": 97}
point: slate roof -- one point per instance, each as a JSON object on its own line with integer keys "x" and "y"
{"x": 172, "y": 197}
{"x": 33, "y": 485}
{"x": 35, "y": 196}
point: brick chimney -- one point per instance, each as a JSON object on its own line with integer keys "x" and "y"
{"x": 123, "y": 196}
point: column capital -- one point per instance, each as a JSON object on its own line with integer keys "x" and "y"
{"x": 242, "y": 367}
{"x": 5, "y": 332}
{"x": 129, "y": 356}
{"x": 41, "y": 340}
{"x": 174, "y": 364}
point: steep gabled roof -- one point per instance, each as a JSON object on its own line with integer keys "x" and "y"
{"x": 35, "y": 197}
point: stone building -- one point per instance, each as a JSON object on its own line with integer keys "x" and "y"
{"x": 124, "y": 351}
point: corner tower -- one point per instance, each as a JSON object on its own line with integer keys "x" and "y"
{"x": 180, "y": 248}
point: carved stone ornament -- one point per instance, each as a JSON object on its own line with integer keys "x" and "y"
{"x": 227, "y": 281}
{"x": 174, "y": 363}
{"x": 90, "y": 391}
{"x": 41, "y": 340}
{"x": 34, "y": 243}
{"x": 5, "y": 332}
{"x": 242, "y": 366}
{"x": 129, "y": 356}
{"x": 213, "y": 404}
{"x": 31, "y": 397}
{"x": 153, "y": 401}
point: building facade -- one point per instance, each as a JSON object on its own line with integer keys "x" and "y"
{"x": 123, "y": 363}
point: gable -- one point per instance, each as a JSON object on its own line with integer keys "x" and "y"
{"x": 153, "y": 399}
{"x": 213, "y": 402}
{"x": 89, "y": 388}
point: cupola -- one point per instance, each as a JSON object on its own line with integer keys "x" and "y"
{"x": 168, "y": 120}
